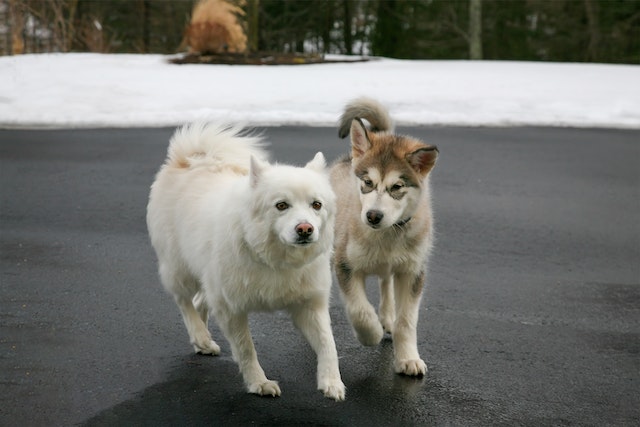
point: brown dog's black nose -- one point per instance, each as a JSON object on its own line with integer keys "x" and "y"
{"x": 304, "y": 229}
{"x": 374, "y": 217}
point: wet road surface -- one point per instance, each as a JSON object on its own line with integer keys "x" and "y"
{"x": 531, "y": 315}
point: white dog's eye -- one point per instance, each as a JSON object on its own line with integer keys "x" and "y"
{"x": 316, "y": 205}
{"x": 396, "y": 187}
{"x": 367, "y": 182}
{"x": 281, "y": 206}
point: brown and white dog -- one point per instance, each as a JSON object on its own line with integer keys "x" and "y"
{"x": 384, "y": 227}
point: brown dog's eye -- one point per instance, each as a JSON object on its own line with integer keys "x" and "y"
{"x": 281, "y": 206}
{"x": 316, "y": 205}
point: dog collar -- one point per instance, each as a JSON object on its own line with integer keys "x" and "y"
{"x": 403, "y": 222}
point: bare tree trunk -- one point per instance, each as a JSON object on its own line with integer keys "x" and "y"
{"x": 475, "y": 29}
{"x": 327, "y": 24}
{"x": 71, "y": 29}
{"x": 64, "y": 13}
{"x": 16, "y": 20}
{"x": 254, "y": 24}
{"x": 591, "y": 8}
{"x": 348, "y": 38}
{"x": 146, "y": 38}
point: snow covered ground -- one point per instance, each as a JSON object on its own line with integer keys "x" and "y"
{"x": 94, "y": 90}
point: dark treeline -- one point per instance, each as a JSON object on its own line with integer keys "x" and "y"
{"x": 547, "y": 30}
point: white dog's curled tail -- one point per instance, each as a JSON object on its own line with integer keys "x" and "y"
{"x": 213, "y": 144}
{"x": 365, "y": 108}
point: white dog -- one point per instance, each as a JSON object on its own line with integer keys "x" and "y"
{"x": 234, "y": 234}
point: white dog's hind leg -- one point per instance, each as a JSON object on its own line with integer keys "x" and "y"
{"x": 236, "y": 329}
{"x": 387, "y": 309}
{"x": 183, "y": 289}
{"x": 315, "y": 324}
{"x": 198, "y": 333}
{"x": 200, "y": 304}
{"x": 408, "y": 290}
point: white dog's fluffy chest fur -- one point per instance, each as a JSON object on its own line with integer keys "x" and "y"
{"x": 262, "y": 289}
{"x": 258, "y": 286}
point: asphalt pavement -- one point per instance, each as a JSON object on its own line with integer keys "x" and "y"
{"x": 531, "y": 314}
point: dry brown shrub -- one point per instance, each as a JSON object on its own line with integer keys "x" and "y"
{"x": 215, "y": 28}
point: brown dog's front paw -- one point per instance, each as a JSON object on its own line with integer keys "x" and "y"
{"x": 413, "y": 367}
{"x": 367, "y": 327}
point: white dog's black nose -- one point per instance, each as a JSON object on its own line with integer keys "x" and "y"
{"x": 304, "y": 229}
{"x": 374, "y": 217}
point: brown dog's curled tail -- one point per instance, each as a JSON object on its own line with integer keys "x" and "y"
{"x": 370, "y": 110}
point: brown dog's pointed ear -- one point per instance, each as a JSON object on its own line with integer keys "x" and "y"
{"x": 359, "y": 139}
{"x": 423, "y": 159}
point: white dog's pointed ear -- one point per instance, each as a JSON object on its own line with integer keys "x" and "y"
{"x": 318, "y": 163}
{"x": 359, "y": 139}
{"x": 255, "y": 171}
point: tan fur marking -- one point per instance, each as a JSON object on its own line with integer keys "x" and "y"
{"x": 417, "y": 285}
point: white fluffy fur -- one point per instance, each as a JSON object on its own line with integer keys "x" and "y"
{"x": 223, "y": 245}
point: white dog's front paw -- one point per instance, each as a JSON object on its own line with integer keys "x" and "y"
{"x": 333, "y": 390}
{"x": 411, "y": 367}
{"x": 207, "y": 347}
{"x": 267, "y": 388}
